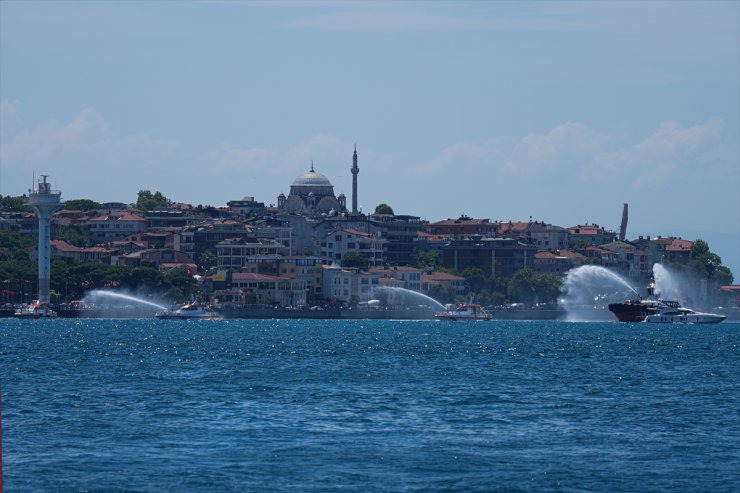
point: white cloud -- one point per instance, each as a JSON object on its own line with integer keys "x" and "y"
{"x": 86, "y": 134}
{"x": 573, "y": 152}
{"x": 84, "y": 149}
{"x": 324, "y": 150}
{"x": 463, "y": 154}
{"x": 563, "y": 146}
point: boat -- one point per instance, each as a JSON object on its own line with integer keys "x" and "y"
{"x": 35, "y": 310}
{"x": 635, "y": 310}
{"x": 190, "y": 311}
{"x": 464, "y": 311}
{"x": 673, "y": 312}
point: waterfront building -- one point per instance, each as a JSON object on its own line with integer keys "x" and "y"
{"x": 544, "y": 236}
{"x": 591, "y": 234}
{"x": 455, "y": 285}
{"x": 463, "y": 226}
{"x": 406, "y": 277}
{"x": 307, "y": 268}
{"x": 96, "y": 254}
{"x": 115, "y": 225}
{"x": 261, "y": 289}
{"x": 235, "y": 252}
{"x": 207, "y": 235}
{"x": 399, "y": 231}
{"x": 156, "y": 256}
{"x": 500, "y": 257}
{"x": 246, "y": 207}
{"x": 556, "y": 262}
{"x": 628, "y": 259}
{"x": 337, "y": 243}
{"x": 342, "y": 284}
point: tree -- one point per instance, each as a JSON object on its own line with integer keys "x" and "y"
{"x": 355, "y": 260}
{"x": 529, "y": 286}
{"x": 15, "y": 204}
{"x": 181, "y": 284}
{"x": 427, "y": 260}
{"x": 384, "y": 209}
{"x": 147, "y": 202}
{"x": 147, "y": 277}
{"x": 207, "y": 260}
{"x": 14, "y": 245}
{"x": 81, "y": 205}
{"x": 76, "y": 235}
{"x": 707, "y": 265}
{"x": 475, "y": 278}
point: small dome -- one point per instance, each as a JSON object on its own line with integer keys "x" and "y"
{"x": 312, "y": 178}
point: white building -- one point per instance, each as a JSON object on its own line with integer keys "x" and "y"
{"x": 337, "y": 243}
{"x": 341, "y": 284}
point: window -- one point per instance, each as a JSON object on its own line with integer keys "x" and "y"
{"x": 338, "y": 238}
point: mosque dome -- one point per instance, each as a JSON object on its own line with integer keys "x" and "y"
{"x": 311, "y": 193}
{"x": 312, "y": 178}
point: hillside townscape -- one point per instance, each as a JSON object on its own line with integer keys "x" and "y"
{"x": 309, "y": 249}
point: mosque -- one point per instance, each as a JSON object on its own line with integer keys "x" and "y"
{"x": 312, "y": 194}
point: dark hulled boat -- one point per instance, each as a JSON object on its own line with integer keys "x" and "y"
{"x": 634, "y": 310}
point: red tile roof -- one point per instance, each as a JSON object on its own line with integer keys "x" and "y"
{"x": 441, "y": 276}
{"x": 245, "y": 276}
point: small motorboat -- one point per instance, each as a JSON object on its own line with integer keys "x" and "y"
{"x": 464, "y": 311}
{"x": 35, "y": 310}
{"x": 194, "y": 310}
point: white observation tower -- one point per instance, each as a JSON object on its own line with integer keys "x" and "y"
{"x": 44, "y": 201}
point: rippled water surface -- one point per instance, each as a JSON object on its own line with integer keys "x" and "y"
{"x": 270, "y": 405}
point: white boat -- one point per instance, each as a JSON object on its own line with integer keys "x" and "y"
{"x": 190, "y": 311}
{"x": 35, "y": 310}
{"x": 673, "y": 312}
{"x": 464, "y": 311}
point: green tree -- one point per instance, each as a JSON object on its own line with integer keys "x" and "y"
{"x": 475, "y": 278}
{"x": 14, "y": 204}
{"x": 143, "y": 277}
{"x": 180, "y": 281}
{"x": 529, "y": 286}
{"x": 76, "y": 235}
{"x": 707, "y": 265}
{"x": 355, "y": 260}
{"x": 14, "y": 245}
{"x": 207, "y": 260}
{"x": 81, "y": 205}
{"x": 427, "y": 260}
{"x": 147, "y": 201}
{"x": 443, "y": 295}
{"x": 384, "y": 209}
{"x": 589, "y": 261}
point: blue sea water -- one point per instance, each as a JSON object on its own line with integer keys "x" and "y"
{"x": 337, "y": 405}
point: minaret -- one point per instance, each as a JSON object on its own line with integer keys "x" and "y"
{"x": 44, "y": 201}
{"x": 354, "y": 170}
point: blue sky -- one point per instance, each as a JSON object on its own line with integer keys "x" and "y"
{"x": 562, "y": 111}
